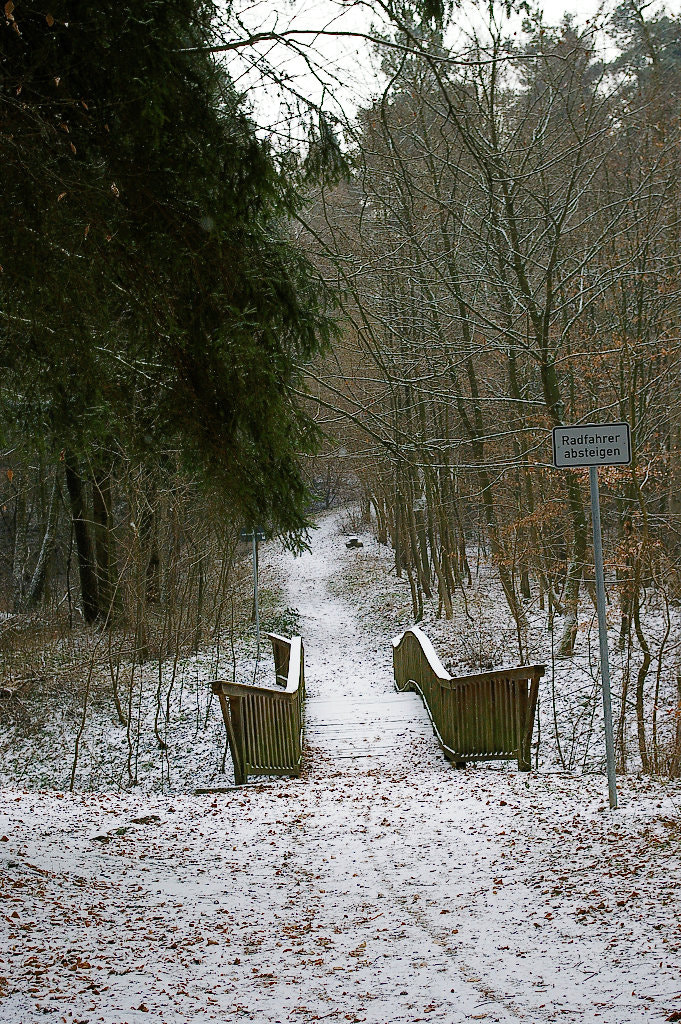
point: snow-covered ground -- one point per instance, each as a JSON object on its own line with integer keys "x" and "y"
{"x": 386, "y": 890}
{"x": 169, "y": 701}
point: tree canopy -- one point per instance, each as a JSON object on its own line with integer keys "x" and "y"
{"x": 151, "y": 292}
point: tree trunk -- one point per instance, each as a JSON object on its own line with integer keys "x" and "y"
{"x": 20, "y": 543}
{"x": 86, "y": 565}
{"x": 675, "y": 767}
{"x": 555, "y": 406}
{"x": 101, "y": 515}
{"x": 37, "y": 585}
{"x": 148, "y": 541}
{"x": 640, "y": 684}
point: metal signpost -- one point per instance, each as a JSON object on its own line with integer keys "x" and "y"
{"x": 255, "y": 535}
{"x": 594, "y": 445}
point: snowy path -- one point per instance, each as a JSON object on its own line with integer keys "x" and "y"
{"x": 352, "y": 708}
{"x": 388, "y": 890}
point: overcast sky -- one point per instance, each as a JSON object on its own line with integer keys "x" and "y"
{"x": 345, "y": 65}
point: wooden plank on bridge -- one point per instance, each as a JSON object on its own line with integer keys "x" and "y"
{"x": 374, "y": 728}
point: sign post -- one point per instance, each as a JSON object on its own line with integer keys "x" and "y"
{"x": 594, "y": 445}
{"x": 255, "y": 535}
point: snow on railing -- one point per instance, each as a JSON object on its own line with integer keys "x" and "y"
{"x": 483, "y": 717}
{"x": 265, "y": 725}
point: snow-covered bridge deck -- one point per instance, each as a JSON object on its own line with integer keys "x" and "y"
{"x": 381, "y": 727}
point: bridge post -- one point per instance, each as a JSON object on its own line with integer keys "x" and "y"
{"x": 530, "y": 707}
{"x": 231, "y": 713}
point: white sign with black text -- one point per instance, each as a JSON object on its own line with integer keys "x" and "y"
{"x": 592, "y": 444}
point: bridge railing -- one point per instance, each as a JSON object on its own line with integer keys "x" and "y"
{"x": 265, "y": 725}
{"x": 484, "y": 717}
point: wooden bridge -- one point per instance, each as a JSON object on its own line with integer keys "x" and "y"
{"x": 483, "y": 717}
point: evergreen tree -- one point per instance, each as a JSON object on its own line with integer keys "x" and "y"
{"x": 151, "y": 293}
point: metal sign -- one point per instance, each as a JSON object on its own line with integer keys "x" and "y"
{"x": 593, "y": 444}
{"x": 249, "y": 535}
